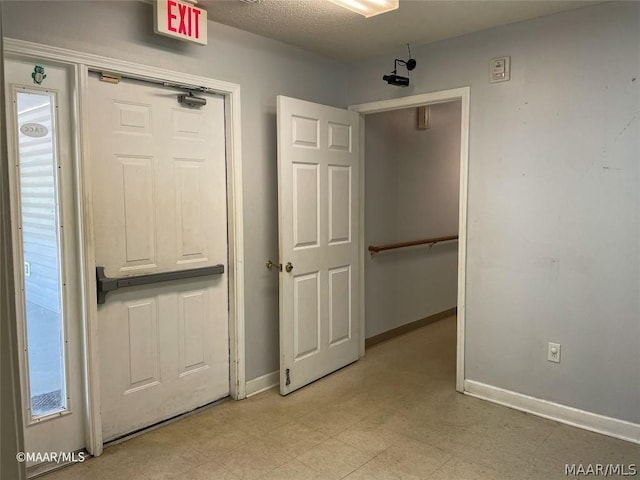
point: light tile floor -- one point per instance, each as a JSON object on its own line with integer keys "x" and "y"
{"x": 392, "y": 415}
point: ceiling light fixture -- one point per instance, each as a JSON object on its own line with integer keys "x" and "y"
{"x": 368, "y": 8}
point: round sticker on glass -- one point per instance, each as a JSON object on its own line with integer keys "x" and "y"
{"x": 34, "y": 130}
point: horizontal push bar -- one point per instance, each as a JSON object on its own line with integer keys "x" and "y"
{"x": 106, "y": 284}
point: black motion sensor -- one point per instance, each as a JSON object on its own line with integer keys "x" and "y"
{"x": 398, "y": 80}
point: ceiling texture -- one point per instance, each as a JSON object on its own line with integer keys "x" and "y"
{"x": 323, "y": 27}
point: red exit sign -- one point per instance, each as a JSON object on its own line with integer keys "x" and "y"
{"x": 181, "y": 20}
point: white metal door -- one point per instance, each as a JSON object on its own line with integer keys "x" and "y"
{"x": 159, "y": 201}
{"x": 318, "y": 195}
{"x": 46, "y": 259}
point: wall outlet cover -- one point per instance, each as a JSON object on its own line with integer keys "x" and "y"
{"x": 553, "y": 352}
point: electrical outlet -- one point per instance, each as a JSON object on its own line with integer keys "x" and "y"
{"x": 553, "y": 353}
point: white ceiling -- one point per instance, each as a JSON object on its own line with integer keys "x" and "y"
{"x": 323, "y": 27}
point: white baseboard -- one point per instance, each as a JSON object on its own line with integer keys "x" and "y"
{"x": 554, "y": 411}
{"x": 265, "y": 382}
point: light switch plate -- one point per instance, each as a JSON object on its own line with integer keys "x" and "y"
{"x": 500, "y": 69}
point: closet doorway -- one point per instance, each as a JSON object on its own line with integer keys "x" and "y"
{"x": 414, "y": 214}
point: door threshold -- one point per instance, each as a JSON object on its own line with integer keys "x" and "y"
{"x": 163, "y": 423}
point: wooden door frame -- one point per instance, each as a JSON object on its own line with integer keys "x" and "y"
{"x": 462, "y": 94}
{"x": 79, "y": 64}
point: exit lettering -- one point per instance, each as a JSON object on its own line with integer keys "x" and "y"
{"x": 178, "y": 19}
{"x": 184, "y": 14}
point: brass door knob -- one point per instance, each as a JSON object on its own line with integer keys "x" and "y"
{"x": 288, "y": 267}
{"x": 271, "y": 265}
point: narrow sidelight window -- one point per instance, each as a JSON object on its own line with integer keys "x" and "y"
{"x": 41, "y": 247}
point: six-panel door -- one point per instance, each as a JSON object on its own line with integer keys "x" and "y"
{"x": 159, "y": 201}
{"x": 318, "y": 171}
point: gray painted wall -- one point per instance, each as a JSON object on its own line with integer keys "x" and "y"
{"x": 412, "y": 181}
{"x": 11, "y": 433}
{"x": 553, "y": 227}
{"x": 264, "y": 69}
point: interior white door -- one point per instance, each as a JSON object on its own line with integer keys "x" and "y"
{"x": 46, "y": 260}
{"x": 159, "y": 205}
{"x": 318, "y": 198}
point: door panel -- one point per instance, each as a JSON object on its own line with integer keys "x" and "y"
{"x": 318, "y": 178}
{"x": 306, "y": 205}
{"x": 339, "y": 195}
{"x": 143, "y": 343}
{"x": 339, "y": 137}
{"x": 190, "y": 177}
{"x": 135, "y": 188}
{"x": 159, "y": 188}
{"x": 340, "y": 321}
{"x": 49, "y": 315}
{"x": 306, "y": 315}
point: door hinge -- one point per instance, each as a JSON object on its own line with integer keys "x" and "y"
{"x": 110, "y": 77}
{"x": 288, "y": 380}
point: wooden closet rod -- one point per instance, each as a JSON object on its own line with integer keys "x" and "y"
{"x": 392, "y": 246}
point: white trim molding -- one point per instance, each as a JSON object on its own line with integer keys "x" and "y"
{"x": 575, "y": 417}
{"x": 82, "y": 63}
{"x": 452, "y": 95}
{"x": 263, "y": 383}
{"x": 84, "y": 198}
